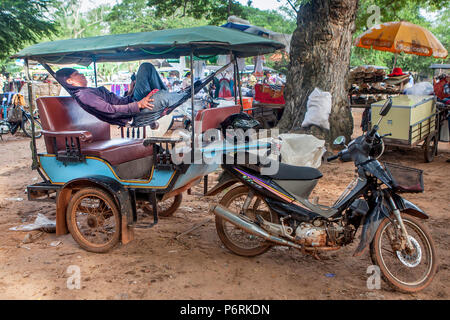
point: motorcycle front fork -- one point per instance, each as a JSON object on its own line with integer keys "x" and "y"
{"x": 399, "y": 219}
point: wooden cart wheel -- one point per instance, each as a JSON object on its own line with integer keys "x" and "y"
{"x": 431, "y": 145}
{"x": 93, "y": 219}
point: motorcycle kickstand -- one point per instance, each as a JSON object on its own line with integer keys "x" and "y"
{"x": 315, "y": 255}
{"x": 312, "y": 253}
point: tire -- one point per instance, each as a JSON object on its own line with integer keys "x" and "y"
{"x": 88, "y": 202}
{"x": 165, "y": 208}
{"x": 261, "y": 246}
{"x": 187, "y": 124}
{"x": 427, "y": 249}
{"x": 431, "y": 145}
{"x": 264, "y": 124}
{"x": 26, "y": 127}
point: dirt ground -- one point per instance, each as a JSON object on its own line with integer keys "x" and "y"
{"x": 197, "y": 266}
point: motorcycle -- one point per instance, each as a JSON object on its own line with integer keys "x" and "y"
{"x": 267, "y": 210}
{"x": 17, "y": 118}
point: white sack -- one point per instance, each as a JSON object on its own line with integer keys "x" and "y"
{"x": 318, "y": 109}
{"x": 301, "y": 150}
{"x": 420, "y": 89}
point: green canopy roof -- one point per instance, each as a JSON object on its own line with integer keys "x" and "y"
{"x": 171, "y": 43}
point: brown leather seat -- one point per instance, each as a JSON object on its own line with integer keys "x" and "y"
{"x": 64, "y": 114}
{"x": 212, "y": 118}
{"x": 117, "y": 151}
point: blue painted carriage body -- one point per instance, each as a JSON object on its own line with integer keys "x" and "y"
{"x": 60, "y": 173}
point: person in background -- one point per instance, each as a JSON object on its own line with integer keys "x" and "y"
{"x": 186, "y": 81}
{"x": 176, "y": 86}
{"x": 2, "y": 81}
{"x": 132, "y": 84}
{"x": 268, "y": 79}
{"x": 411, "y": 79}
{"x": 164, "y": 79}
{"x": 410, "y": 83}
{"x": 173, "y": 76}
{"x": 244, "y": 79}
{"x": 252, "y": 80}
{"x": 280, "y": 80}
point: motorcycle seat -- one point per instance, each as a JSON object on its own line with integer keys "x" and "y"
{"x": 289, "y": 172}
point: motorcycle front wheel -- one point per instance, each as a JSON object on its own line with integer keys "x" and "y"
{"x": 406, "y": 271}
{"x": 26, "y": 127}
{"x": 237, "y": 240}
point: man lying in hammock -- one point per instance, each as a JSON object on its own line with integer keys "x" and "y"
{"x": 143, "y": 108}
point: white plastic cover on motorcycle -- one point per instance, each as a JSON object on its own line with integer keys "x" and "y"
{"x": 301, "y": 150}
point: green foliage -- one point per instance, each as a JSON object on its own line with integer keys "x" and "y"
{"x": 214, "y": 11}
{"x": 271, "y": 20}
{"x": 136, "y": 16}
{"x": 22, "y": 22}
{"x": 397, "y": 10}
{"x": 280, "y": 66}
{"x": 74, "y": 23}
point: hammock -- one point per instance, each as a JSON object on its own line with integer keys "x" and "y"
{"x": 164, "y": 101}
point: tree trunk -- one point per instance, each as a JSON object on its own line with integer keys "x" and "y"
{"x": 320, "y": 57}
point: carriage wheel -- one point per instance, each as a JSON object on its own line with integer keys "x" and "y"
{"x": 93, "y": 219}
{"x": 166, "y": 208}
{"x": 263, "y": 122}
{"x": 431, "y": 145}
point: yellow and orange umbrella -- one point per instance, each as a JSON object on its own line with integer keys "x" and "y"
{"x": 402, "y": 36}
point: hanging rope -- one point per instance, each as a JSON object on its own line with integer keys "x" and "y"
{"x": 157, "y": 53}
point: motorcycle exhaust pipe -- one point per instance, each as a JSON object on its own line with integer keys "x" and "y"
{"x": 249, "y": 227}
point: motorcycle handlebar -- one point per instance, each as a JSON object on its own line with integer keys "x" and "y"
{"x": 372, "y": 133}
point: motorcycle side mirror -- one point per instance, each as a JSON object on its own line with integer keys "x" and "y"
{"x": 386, "y": 107}
{"x": 339, "y": 141}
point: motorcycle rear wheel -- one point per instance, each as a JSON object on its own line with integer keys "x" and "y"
{"x": 26, "y": 127}
{"x": 236, "y": 240}
{"x": 406, "y": 272}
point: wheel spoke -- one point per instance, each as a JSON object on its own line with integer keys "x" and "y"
{"x": 95, "y": 220}
{"x": 406, "y": 269}
{"x": 236, "y": 235}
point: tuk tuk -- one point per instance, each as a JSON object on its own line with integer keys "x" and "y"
{"x": 97, "y": 182}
